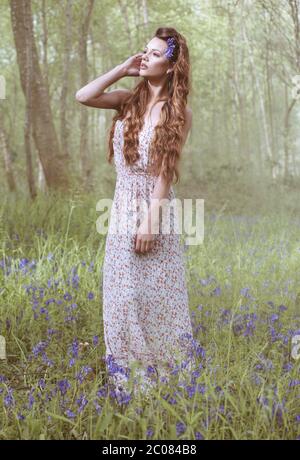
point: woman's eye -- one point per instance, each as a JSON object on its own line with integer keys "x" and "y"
{"x": 156, "y": 54}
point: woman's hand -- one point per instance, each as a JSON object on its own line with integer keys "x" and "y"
{"x": 144, "y": 240}
{"x": 132, "y": 65}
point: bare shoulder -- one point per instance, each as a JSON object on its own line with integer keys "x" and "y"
{"x": 188, "y": 117}
{"x": 187, "y": 125}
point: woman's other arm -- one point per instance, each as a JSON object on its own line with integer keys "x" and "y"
{"x": 145, "y": 238}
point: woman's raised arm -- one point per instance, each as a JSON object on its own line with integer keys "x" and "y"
{"x": 93, "y": 94}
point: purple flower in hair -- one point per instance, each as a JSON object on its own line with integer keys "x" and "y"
{"x": 171, "y": 45}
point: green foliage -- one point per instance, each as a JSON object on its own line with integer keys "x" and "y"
{"x": 243, "y": 286}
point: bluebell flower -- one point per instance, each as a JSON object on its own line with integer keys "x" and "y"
{"x": 216, "y": 291}
{"x": 9, "y": 399}
{"x": 63, "y": 386}
{"x": 171, "y": 46}
{"x": 149, "y": 432}
{"x": 245, "y": 292}
{"x": 180, "y": 428}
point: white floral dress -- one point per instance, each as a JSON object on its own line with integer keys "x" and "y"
{"x": 145, "y": 299}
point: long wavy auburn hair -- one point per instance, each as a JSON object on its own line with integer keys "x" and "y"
{"x": 165, "y": 147}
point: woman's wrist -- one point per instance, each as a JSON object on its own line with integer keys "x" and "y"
{"x": 121, "y": 70}
{"x": 152, "y": 221}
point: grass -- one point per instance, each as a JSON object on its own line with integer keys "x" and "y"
{"x": 244, "y": 296}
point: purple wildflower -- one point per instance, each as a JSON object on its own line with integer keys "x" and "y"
{"x": 191, "y": 389}
{"x": 9, "y": 399}
{"x": 294, "y": 383}
{"x": 263, "y": 400}
{"x": 95, "y": 340}
{"x": 82, "y": 402}
{"x": 171, "y": 46}
{"x": 39, "y": 347}
{"x": 150, "y": 432}
{"x": 97, "y": 407}
{"x": 91, "y": 266}
{"x": 42, "y": 383}
{"x": 31, "y": 400}
{"x": 49, "y": 301}
{"x": 63, "y": 386}
{"x": 67, "y": 296}
{"x": 51, "y": 332}
{"x": 84, "y": 371}
{"x": 23, "y": 262}
{"x": 201, "y": 388}
{"x": 274, "y": 317}
{"x": 180, "y": 428}
{"x": 102, "y": 392}
{"x": 216, "y": 291}
{"x": 245, "y": 292}
{"x": 271, "y": 304}
{"x": 49, "y": 362}
{"x": 74, "y": 348}
{"x": 287, "y": 367}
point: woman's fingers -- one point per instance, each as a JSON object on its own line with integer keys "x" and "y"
{"x": 136, "y": 244}
{"x": 139, "y": 246}
{"x": 149, "y": 246}
{"x": 142, "y": 247}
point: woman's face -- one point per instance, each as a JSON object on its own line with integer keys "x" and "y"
{"x": 154, "y": 58}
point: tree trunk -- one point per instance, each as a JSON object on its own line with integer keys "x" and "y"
{"x": 64, "y": 131}
{"x": 260, "y": 95}
{"x": 270, "y": 111}
{"x": 123, "y": 8}
{"x": 233, "y": 81}
{"x": 44, "y": 134}
{"x": 8, "y": 168}
{"x": 289, "y": 108}
{"x": 85, "y": 160}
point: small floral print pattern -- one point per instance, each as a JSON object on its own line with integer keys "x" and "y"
{"x": 145, "y": 298}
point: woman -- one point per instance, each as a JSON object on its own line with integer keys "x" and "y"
{"x": 145, "y": 300}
